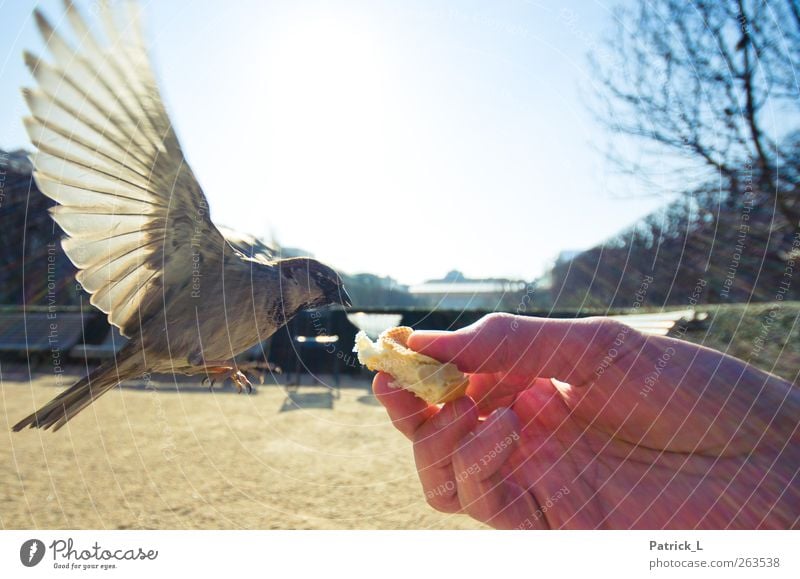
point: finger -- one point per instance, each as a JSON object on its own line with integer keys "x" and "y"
{"x": 406, "y": 410}
{"x": 565, "y": 349}
{"x": 487, "y": 447}
{"x": 483, "y": 492}
{"x": 434, "y": 444}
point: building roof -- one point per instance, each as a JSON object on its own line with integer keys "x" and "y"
{"x": 467, "y": 287}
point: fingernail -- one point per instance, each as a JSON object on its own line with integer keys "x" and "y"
{"x": 430, "y": 333}
{"x": 420, "y": 339}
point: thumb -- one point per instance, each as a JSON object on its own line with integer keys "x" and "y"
{"x": 564, "y": 349}
{"x": 479, "y": 348}
{"x": 466, "y": 349}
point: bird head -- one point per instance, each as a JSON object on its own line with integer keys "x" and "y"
{"x": 313, "y": 283}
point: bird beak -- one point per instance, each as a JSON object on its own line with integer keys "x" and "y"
{"x": 344, "y": 297}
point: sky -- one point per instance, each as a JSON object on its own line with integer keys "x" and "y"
{"x": 398, "y": 138}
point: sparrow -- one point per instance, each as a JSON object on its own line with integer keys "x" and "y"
{"x": 136, "y": 222}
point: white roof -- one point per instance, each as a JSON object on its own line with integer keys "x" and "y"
{"x": 468, "y": 287}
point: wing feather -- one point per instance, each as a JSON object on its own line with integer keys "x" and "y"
{"x": 71, "y": 196}
{"x": 68, "y": 171}
{"x": 61, "y": 150}
{"x": 53, "y": 122}
{"x": 85, "y": 113}
{"x": 77, "y": 222}
{"x": 85, "y": 252}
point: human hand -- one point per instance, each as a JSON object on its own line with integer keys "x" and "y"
{"x": 591, "y": 424}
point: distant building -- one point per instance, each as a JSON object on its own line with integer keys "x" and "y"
{"x": 455, "y": 292}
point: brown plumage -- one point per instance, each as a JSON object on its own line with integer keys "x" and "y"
{"x": 188, "y": 296}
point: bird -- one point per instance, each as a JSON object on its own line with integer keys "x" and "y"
{"x": 136, "y": 222}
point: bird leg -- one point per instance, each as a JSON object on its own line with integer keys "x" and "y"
{"x": 222, "y": 371}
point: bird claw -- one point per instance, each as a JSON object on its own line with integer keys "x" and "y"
{"x": 241, "y": 382}
{"x": 238, "y": 378}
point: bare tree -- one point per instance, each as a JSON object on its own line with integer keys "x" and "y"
{"x": 715, "y": 84}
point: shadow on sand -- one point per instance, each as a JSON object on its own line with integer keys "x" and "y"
{"x": 369, "y": 400}
{"x": 301, "y": 400}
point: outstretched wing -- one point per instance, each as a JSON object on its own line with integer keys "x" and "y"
{"x": 133, "y": 212}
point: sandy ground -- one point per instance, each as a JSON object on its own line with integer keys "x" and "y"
{"x": 181, "y": 458}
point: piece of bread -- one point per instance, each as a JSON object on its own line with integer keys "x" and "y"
{"x": 429, "y": 379}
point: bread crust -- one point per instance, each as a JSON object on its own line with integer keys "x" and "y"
{"x": 433, "y": 381}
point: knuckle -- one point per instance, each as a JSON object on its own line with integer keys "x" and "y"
{"x": 497, "y": 323}
{"x": 611, "y": 338}
{"x": 607, "y": 328}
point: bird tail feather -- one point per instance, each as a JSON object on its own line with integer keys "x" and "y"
{"x": 71, "y": 401}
